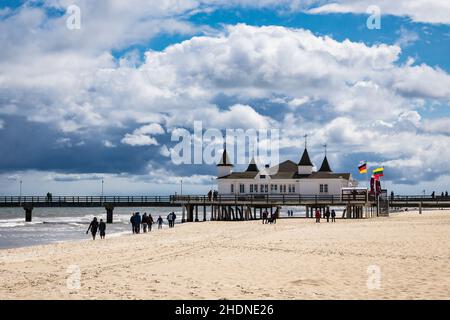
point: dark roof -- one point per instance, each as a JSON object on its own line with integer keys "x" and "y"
{"x": 224, "y": 160}
{"x": 328, "y": 175}
{"x": 240, "y": 175}
{"x": 305, "y": 160}
{"x": 252, "y": 167}
{"x": 325, "y": 166}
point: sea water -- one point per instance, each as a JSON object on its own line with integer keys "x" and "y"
{"x": 52, "y": 225}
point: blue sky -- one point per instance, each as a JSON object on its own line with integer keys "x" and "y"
{"x": 78, "y": 106}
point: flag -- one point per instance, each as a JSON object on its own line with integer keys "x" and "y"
{"x": 363, "y": 168}
{"x": 378, "y": 172}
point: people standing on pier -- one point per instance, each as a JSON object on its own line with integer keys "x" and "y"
{"x": 433, "y": 195}
{"x": 150, "y": 223}
{"x": 210, "y": 195}
{"x": 327, "y": 214}
{"x": 93, "y": 226}
{"x": 160, "y": 222}
{"x": 333, "y": 216}
{"x": 317, "y": 216}
{"x": 215, "y": 195}
{"x": 133, "y": 222}
{"x": 144, "y": 222}
{"x": 102, "y": 229}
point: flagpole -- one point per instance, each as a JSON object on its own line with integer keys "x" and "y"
{"x": 367, "y": 175}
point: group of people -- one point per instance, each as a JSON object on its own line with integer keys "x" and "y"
{"x": 213, "y": 195}
{"x": 171, "y": 217}
{"x": 95, "y": 226}
{"x": 138, "y": 222}
{"x": 269, "y": 217}
{"x": 146, "y": 221}
{"x": 290, "y": 213}
{"x": 328, "y": 214}
{"x": 443, "y": 195}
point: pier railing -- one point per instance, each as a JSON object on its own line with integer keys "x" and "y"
{"x": 272, "y": 198}
{"x": 84, "y": 200}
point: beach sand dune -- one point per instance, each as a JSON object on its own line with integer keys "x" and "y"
{"x": 405, "y": 256}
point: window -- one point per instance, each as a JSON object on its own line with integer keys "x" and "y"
{"x": 251, "y": 188}
{"x": 271, "y": 188}
{"x": 293, "y": 188}
{"x": 290, "y": 190}
{"x": 276, "y": 187}
{"x": 262, "y": 188}
{"x": 266, "y": 188}
{"x": 323, "y": 188}
{"x": 262, "y": 176}
{"x": 242, "y": 188}
{"x": 256, "y": 188}
{"x": 232, "y": 188}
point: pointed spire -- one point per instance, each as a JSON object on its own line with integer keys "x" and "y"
{"x": 305, "y": 160}
{"x": 224, "y": 160}
{"x": 325, "y": 166}
{"x": 252, "y": 167}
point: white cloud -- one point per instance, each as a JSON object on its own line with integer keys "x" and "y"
{"x": 153, "y": 128}
{"x": 139, "y": 140}
{"x": 428, "y": 11}
{"x": 164, "y": 151}
{"x": 108, "y": 144}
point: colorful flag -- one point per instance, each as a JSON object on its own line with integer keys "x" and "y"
{"x": 363, "y": 168}
{"x": 378, "y": 172}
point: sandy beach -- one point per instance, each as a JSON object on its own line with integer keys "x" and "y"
{"x": 294, "y": 259}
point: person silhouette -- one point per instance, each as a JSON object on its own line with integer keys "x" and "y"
{"x": 93, "y": 226}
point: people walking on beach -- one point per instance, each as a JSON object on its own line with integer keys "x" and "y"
{"x": 150, "y": 222}
{"x": 317, "y": 216}
{"x": 102, "y": 229}
{"x": 170, "y": 219}
{"x": 144, "y": 222}
{"x": 333, "y": 216}
{"x": 93, "y": 226}
{"x": 273, "y": 217}
{"x": 133, "y": 223}
{"x": 264, "y": 217}
{"x": 160, "y": 222}
{"x": 174, "y": 218}
{"x": 137, "y": 223}
{"x": 327, "y": 214}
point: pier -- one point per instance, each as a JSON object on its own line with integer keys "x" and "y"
{"x": 233, "y": 207}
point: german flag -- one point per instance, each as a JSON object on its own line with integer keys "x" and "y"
{"x": 379, "y": 172}
{"x": 363, "y": 168}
